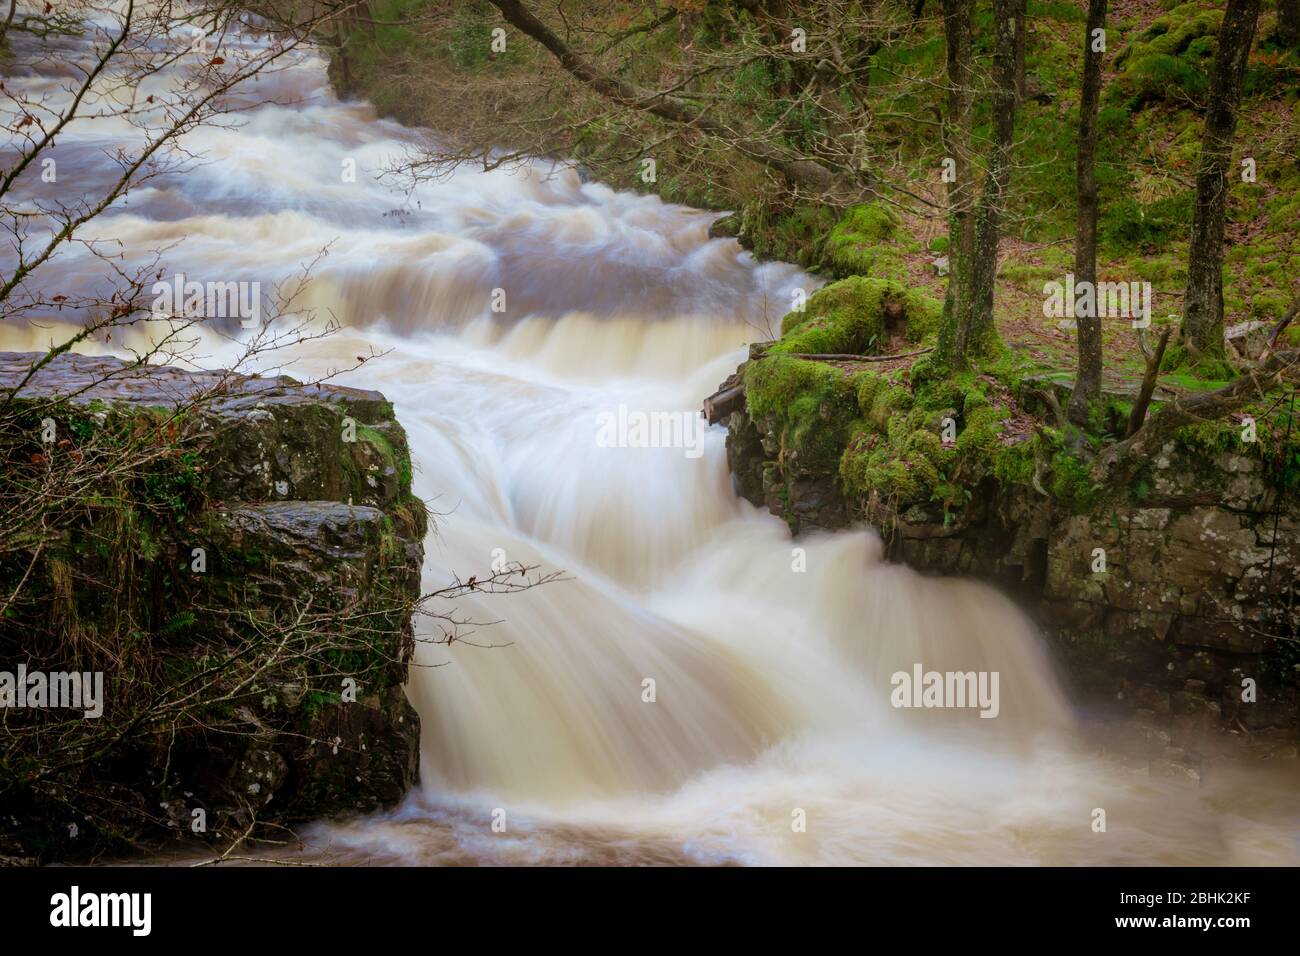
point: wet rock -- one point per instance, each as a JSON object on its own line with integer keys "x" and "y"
{"x": 725, "y": 227}
{"x": 256, "y": 777}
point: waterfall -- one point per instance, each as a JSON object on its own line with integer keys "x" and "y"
{"x": 698, "y": 684}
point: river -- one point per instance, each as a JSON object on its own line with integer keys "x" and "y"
{"x": 770, "y": 738}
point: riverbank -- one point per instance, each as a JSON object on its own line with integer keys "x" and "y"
{"x": 442, "y": 73}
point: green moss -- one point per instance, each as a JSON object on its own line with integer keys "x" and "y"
{"x": 1014, "y": 465}
{"x": 860, "y": 244}
{"x": 792, "y": 235}
{"x": 902, "y": 467}
{"x": 898, "y": 452}
{"x": 1028, "y": 274}
{"x": 1170, "y": 58}
{"x": 888, "y": 402}
{"x": 850, "y": 317}
{"x": 399, "y": 462}
{"x": 982, "y": 428}
{"x": 1193, "y": 372}
{"x": 1276, "y": 446}
{"x": 1072, "y": 483}
{"x": 1164, "y": 270}
{"x": 811, "y": 404}
{"x": 1128, "y": 225}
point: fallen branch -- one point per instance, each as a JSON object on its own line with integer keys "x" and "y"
{"x": 632, "y": 31}
{"x": 1139, "y": 413}
{"x": 1116, "y": 463}
{"x": 844, "y": 357}
{"x": 1278, "y": 330}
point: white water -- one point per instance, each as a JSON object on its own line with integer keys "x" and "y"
{"x": 772, "y": 685}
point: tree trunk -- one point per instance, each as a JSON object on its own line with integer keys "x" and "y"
{"x": 1087, "y": 381}
{"x": 1137, "y": 416}
{"x": 1288, "y": 23}
{"x": 1023, "y": 42}
{"x": 1203, "y": 302}
{"x": 957, "y": 148}
{"x": 981, "y": 332}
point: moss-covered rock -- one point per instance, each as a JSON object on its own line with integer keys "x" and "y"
{"x": 858, "y": 316}
{"x": 864, "y": 243}
{"x": 1170, "y": 57}
{"x": 251, "y": 579}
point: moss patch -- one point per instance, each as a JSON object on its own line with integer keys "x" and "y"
{"x": 856, "y": 316}
{"x": 862, "y": 244}
{"x": 1169, "y": 60}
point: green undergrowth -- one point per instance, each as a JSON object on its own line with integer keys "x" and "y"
{"x": 910, "y": 434}
{"x": 898, "y": 436}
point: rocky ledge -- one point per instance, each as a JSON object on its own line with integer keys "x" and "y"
{"x": 245, "y": 582}
{"x": 1175, "y": 614}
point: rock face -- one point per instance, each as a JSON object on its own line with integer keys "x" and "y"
{"x": 804, "y": 497}
{"x": 305, "y": 533}
{"x": 1169, "y": 614}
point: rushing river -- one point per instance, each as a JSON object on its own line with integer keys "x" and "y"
{"x": 771, "y": 666}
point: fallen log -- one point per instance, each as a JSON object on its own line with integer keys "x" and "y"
{"x": 835, "y": 357}
{"x": 1138, "y": 415}
{"x": 725, "y": 400}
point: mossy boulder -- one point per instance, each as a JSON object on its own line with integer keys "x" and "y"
{"x": 864, "y": 242}
{"x": 857, "y": 316}
{"x": 1170, "y": 58}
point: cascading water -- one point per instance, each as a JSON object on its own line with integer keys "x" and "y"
{"x": 771, "y": 684}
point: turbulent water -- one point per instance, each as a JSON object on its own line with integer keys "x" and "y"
{"x": 771, "y": 738}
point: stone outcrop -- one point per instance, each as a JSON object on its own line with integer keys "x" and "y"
{"x": 1163, "y": 613}
{"x": 305, "y": 529}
